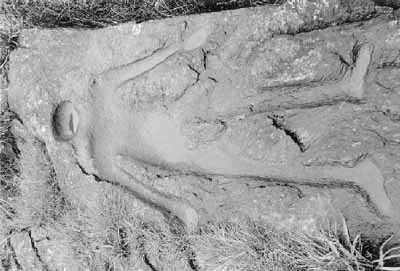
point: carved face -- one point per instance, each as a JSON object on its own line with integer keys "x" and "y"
{"x": 65, "y": 121}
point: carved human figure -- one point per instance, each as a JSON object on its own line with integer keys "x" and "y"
{"x": 106, "y": 133}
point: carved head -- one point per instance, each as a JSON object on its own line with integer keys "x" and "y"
{"x": 65, "y": 121}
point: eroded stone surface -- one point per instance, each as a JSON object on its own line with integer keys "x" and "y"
{"x": 25, "y": 254}
{"x": 55, "y": 251}
{"x": 236, "y": 90}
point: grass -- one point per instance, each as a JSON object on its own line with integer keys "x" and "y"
{"x": 8, "y": 42}
{"x": 121, "y": 236}
{"x": 386, "y": 255}
{"x": 100, "y": 13}
{"x": 9, "y": 168}
{"x": 260, "y": 246}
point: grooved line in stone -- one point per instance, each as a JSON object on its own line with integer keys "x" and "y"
{"x": 290, "y": 133}
{"x": 37, "y": 253}
{"x": 13, "y": 254}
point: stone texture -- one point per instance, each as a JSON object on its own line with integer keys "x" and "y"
{"x": 55, "y": 252}
{"x": 24, "y": 252}
{"x": 250, "y": 54}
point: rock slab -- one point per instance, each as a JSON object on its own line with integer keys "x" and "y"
{"x": 236, "y": 86}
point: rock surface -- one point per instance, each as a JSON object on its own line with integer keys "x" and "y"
{"x": 243, "y": 87}
{"x": 25, "y": 253}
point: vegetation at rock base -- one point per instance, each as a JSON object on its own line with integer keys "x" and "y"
{"x": 100, "y": 13}
{"x": 123, "y": 237}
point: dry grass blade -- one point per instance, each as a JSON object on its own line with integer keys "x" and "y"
{"x": 385, "y": 256}
{"x": 260, "y": 246}
{"x": 8, "y": 42}
{"x": 99, "y": 13}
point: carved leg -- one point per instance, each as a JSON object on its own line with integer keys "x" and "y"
{"x": 351, "y": 88}
{"x": 180, "y": 208}
{"x": 365, "y": 175}
{"x": 229, "y": 100}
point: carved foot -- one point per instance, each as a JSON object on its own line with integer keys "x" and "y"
{"x": 356, "y": 85}
{"x": 369, "y": 177}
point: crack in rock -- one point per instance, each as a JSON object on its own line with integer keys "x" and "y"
{"x": 26, "y": 255}
{"x": 37, "y": 253}
{"x": 12, "y": 258}
{"x": 278, "y": 124}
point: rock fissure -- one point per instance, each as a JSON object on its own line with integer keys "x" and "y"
{"x": 141, "y": 247}
{"x": 279, "y": 124}
{"x": 82, "y": 169}
{"x": 195, "y": 70}
{"x": 190, "y": 85}
{"x": 146, "y": 260}
{"x": 385, "y": 141}
{"x": 37, "y": 252}
{"x": 13, "y": 255}
{"x": 192, "y": 263}
{"x": 205, "y": 58}
{"x": 388, "y": 89}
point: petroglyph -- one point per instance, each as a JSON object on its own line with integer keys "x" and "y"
{"x": 155, "y": 138}
{"x": 257, "y": 96}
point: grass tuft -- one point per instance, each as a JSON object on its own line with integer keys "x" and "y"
{"x": 9, "y": 167}
{"x": 122, "y": 238}
{"x": 101, "y": 13}
{"x": 388, "y": 255}
{"x": 260, "y": 246}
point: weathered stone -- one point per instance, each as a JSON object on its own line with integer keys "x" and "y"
{"x": 251, "y": 88}
{"x": 25, "y": 254}
{"x": 54, "y": 251}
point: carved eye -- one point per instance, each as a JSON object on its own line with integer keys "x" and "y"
{"x": 65, "y": 121}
